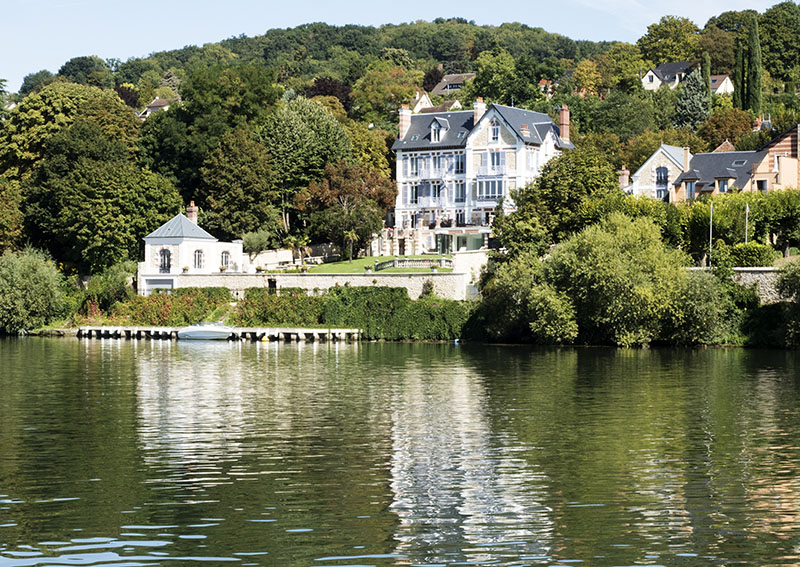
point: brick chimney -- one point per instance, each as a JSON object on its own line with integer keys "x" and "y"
{"x": 563, "y": 122}
{"x": 191, "y": 212}
{"x": 686, "y": 158}
{"x": 478, "y": 107}
{"x": 405, "y": 120}
{"x": 624, "y": 177}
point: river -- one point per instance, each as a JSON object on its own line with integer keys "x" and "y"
{"x": 139, "y": 453}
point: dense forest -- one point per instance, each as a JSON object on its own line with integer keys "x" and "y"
{"x": 284, "y": 138}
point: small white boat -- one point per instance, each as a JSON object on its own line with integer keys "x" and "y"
{"x": 206, "y": 332}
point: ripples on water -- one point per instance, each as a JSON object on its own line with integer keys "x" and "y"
{"x": 122, "y": 453}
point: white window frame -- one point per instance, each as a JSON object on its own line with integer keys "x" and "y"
{"x": 199, "y": 259}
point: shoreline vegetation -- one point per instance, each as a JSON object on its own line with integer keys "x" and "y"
{"x": 612, "y": 284}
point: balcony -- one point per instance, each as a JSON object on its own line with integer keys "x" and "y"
{"x": 489, "y": 170}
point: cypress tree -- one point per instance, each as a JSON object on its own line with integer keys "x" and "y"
{"x": 707, "y": 75}
{"x": 754, "y": 69}
{"x": 739, "y": 79}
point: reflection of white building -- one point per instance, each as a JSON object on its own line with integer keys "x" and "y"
{"x": 180, "y": 246}
{"x": 454, "y": 486}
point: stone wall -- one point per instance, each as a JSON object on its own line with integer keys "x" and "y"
{"x": 445, "y": 285}
{"x": 766, "y": 280}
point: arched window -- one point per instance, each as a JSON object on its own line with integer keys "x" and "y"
{"x": 662, "y": 182}
{"x": 435, "y": 132}
{"x": 495, "y": 131}
{"x": 198, "y": 259}
{"x": 225, "y": 259}
{"x": 165, "y": 261}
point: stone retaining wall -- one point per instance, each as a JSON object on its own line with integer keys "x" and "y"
{"x": 445, "y": 285}
{"x": 766, "y": 280}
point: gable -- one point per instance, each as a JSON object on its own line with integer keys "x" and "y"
{"x": 480, "y": 135}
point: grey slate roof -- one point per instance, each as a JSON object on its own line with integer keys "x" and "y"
{"x": 667, "y": 71}
{"x": 418, "y": 136}
{"x": 180, "y": 227}
{"x": 706, "y": 168}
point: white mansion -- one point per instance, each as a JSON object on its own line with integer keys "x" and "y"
{"x": 454, "y": 167}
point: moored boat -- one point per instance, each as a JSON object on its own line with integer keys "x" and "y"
{"x": 206, "y": 331}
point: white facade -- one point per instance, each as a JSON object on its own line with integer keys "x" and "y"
{"x": 461, "y": 186}
{"x": 721, "y": 84}
{"x": 181, "y": 247}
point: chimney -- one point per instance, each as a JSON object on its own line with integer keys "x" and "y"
{"x": 478, "y": 107}
{"x": 686, "y": 158}
{"x": 405, "y": 120}
{"x": 624, "y": 177}
{"x": 191, "y": 212}
{"x": 563, "y": 122}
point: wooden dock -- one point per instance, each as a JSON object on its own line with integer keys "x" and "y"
{"x": 271, "y": 334}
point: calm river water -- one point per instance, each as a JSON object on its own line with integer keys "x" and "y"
{"x": 120, "y": 453}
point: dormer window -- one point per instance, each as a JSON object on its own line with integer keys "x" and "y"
{"x": 435, "y": 132}
{"x": 494, "y": 134}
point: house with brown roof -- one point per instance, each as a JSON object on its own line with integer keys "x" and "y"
{"x": 721, "y": 84}
{"x": 451, "y": 83}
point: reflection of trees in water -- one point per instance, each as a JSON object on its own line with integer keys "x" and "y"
{"x": 459, "y": 489}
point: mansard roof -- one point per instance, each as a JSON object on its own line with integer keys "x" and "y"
{"x": 180, "y": 227}
{"x": 531, "y": 127}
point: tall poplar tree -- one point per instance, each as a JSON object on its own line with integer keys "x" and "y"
{"x": 707, "y": 73}
{"x": 754, "y": 69}
{"x": 739, "y": 77}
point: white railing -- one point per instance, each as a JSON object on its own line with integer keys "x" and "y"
{"x": 492, "y": 170}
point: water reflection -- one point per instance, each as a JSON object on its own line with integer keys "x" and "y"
{"x": 150, "y": 453}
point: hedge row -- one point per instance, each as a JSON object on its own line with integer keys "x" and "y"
{"x": 180, "y": 307}
{"x": 380, "y": 312}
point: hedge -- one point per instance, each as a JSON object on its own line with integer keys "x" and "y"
{"x": 379, "y": 312}
{"x": 183, "y": 306}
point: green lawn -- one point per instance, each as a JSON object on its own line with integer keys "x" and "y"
{"x": 358, "y": 264}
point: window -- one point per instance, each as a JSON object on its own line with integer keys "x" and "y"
{"x": 662, "y": 176}
{"x": 413, "y": 194}
{"x": 498, "y": 160}
{"x": 494, "y": 135}
{"x": 723, "y": 185}
{"x": 739, "y": 163}
{"x": 414, "y": 166}
{"x": 650, "y": 78}
{"x": 460, "y": 161}
{"x": 436, "y": 131}
{"x": 690, "y": 190}
{"x": 461, "y": 135}
{"x": 437, "y": 164}
{"x": 225, "y": 259}
{"x": 490, "y": 189}
{"x": 761, "y": 185}
{"x": 164, "y": 261}
{"x": 198, "y": 259}
{"x": 460, "y": 192}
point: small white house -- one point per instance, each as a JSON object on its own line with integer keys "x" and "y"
{"x": 180, "y": 246}
{"x": 721, "y": 84}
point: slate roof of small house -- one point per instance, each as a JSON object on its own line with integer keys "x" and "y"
{"x": 452, "y": 79}
{"x": 180, "y": 227}
{"x": 668, "y": 71}
{"x": 418, "y": 136}
{"x": 706, "y": 168}
{"x": 673, "y": 152}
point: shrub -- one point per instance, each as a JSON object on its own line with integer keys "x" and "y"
{"x": 752, "y": 254}
{"x": 181, "y": 307}
{"x": 109, "y": 287}
{"x": 621, "y": 278}
{"x": 30, "y": 291}
{"x": 290, "y": 308}
{"x": 699, "y": 312}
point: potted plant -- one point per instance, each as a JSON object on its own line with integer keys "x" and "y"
{"x": 367, "y": 269}
{"x": 259, "y": 269}
{"x": 223, "y": 268}
{"x": 186, "y": 269}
